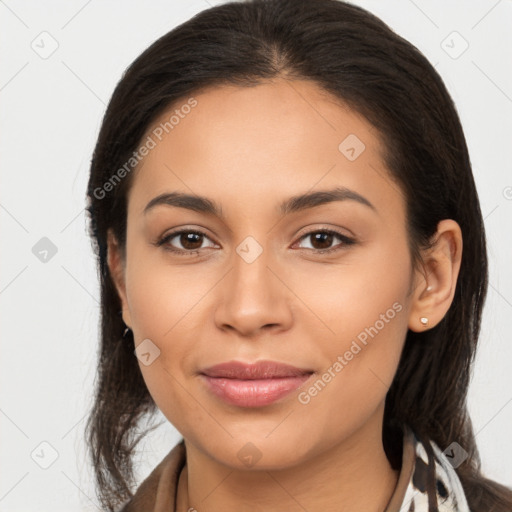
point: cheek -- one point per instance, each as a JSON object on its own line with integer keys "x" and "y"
{"x": 169, "y": 390}
{"x": 162, "y": 299}
{"x": 161, "y": 295}
{"x": 344, "y": 300}
{"x": 159, "y": 313}
{"x": 355, "y": 381}
{"x": 364, "y": 307}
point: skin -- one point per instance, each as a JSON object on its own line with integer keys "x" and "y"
{"x": 248, "y": 149}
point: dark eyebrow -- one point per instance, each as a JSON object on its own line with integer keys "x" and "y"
{"x": 190, "y": 202}
{"x": 312, "y": 199}
{"x": 293, "y": 204}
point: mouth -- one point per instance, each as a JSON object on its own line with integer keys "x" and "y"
{"x": 253, "y": 385}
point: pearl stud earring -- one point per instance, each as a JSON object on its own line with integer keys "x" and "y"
{"x": 424, "y": 320}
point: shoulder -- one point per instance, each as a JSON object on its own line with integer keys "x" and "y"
{"x": 454, "y": 488}
{"x": 486, "y": 495}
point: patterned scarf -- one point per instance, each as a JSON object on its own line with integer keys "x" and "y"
{"x": 428, "y": 481}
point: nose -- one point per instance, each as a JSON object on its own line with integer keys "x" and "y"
{"x": 253, "y": 297}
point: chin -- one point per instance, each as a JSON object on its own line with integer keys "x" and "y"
{"x": 257, "y": 452}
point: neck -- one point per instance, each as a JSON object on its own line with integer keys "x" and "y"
{"x": 352, "y": 476}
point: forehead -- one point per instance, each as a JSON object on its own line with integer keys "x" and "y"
{"x": 250, "y": 145}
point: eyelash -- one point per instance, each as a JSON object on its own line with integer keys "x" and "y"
{"x": 184, "y": 252}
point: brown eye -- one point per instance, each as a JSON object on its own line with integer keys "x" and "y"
{"x": 187, "y": 240}
{"x": 190, "y": 241}
{"x": 322, "y": 240}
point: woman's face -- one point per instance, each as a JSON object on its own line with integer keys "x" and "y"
{"x": 255, "y": 284}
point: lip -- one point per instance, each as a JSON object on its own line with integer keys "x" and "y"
{"x": 253, "y": 385}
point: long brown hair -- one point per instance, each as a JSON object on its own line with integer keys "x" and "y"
{"x": 352, "y": 54}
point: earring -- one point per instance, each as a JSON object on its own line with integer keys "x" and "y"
{"x": 424, "y": 320}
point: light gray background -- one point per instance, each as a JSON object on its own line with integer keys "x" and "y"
{"x": 51, "y": 112}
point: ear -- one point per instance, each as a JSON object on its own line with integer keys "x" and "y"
{"x": 116, "y": 265}
{"x": 435, "y": 288}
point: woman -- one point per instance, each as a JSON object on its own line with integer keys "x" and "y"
{"x": 279, "y": 199}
